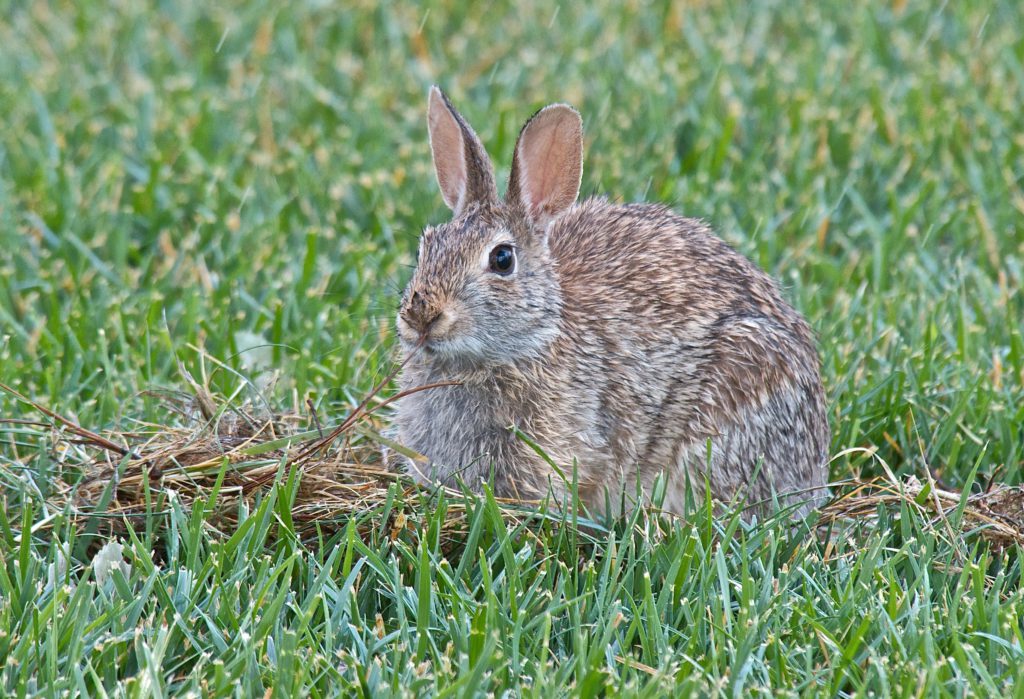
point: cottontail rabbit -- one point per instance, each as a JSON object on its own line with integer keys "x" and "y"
{"x": 623, "y": 340}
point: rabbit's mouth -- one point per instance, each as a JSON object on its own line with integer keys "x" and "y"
{"x": 457, "y": 347}
{"x": 439, "y": 335}
{"x": 443, "y": 345}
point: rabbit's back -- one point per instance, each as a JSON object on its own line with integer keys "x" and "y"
{"x": 680, "y": 339}
{"x": 646, "y": 260}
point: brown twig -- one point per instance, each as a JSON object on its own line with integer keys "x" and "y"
{"x": 324, "y": 442}
{"x": 71, "y": 425}
{"x": 316, "y": 418}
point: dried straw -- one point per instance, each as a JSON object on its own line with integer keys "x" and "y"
{"x": 242, "y": 454}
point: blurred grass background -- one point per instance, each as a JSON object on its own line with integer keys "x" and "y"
{"x": 179, "y": 179}
{"x": 172, "y": 174}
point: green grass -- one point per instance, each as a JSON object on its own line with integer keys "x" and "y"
{"x": 173, "y": 178}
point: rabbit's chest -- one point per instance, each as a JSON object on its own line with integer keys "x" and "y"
{"x": 453, "y": 424}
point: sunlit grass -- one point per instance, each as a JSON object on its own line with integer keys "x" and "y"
{"x": 180, "y": 184}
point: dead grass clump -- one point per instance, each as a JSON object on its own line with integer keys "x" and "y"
{"x": 239, "y": 455}
{"x": 996, "y": 514}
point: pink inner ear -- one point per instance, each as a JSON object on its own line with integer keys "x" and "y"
{"x": 448, "y": 151}
{"x": 550, "y": 156}
{"x": 540, "y": 168}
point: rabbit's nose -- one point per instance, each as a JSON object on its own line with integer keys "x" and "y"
{"x": 420, "y": 312}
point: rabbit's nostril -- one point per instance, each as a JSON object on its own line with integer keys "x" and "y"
{"x": 419, "y": 312}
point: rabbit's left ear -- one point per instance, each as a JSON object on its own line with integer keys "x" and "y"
{"x": 547, "y": 164}
{"x": 464, "y": 172}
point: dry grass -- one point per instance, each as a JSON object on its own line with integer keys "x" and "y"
{"x": 239, "y": 454}
{"x": 996, "y": 514}
{"x": 235, "y": 454}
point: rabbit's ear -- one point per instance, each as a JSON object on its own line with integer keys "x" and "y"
{"x": 464, "y": 171}
{"x": 547, "y": 164}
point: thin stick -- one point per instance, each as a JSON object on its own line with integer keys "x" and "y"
{"x": 360, "y": 411}
{"x": 316, "y": 418}
{"x": 73, "y": 426}
{"x": 324, "y": 442}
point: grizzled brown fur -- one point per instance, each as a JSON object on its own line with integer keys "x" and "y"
{"x": 624, "y": 338}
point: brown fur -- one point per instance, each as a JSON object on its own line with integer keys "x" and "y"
{"x": 624, "y": 340}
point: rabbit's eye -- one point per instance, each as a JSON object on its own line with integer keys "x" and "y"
{"x": 503, "y": 259}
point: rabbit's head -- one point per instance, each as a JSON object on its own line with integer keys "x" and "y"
{"x": 485, "y": 289}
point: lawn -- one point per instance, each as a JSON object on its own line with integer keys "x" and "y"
{"x": 236, "y": 193}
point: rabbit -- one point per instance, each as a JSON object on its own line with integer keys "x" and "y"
{"x": 622, "y": 341}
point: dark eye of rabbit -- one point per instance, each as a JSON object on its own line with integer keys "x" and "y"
{"x": 503, "y": 259}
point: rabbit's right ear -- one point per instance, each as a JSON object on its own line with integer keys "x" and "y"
{"x": 464, "y": 171}
{"x": 547, "y": 164}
